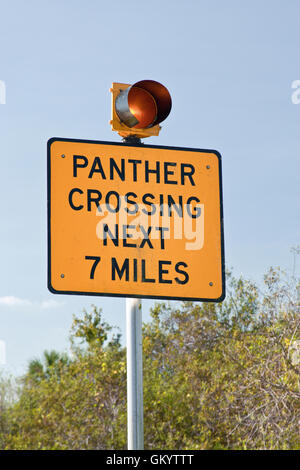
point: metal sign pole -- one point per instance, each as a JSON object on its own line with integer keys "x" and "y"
{"x": 135, "y": 418}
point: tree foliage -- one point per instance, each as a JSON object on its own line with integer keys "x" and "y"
{"x": 216, "y": 376}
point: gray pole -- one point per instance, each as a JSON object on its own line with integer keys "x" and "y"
{"x": 135, "y": 418}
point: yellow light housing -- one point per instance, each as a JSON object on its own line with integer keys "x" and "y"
{"x": 138, "y": 109}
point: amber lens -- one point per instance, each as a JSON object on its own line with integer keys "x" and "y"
{"x": 143, "y": 106}
{"x": 160, "y": 95}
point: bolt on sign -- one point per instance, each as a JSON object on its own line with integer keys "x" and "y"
{"x": 134, "y": 220}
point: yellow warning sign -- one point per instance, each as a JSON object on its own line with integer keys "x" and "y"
{"x": 134, "y": 220}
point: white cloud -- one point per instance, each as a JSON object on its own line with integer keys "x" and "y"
{"x": 50, "y": 304}
{"x": 12, "y": 301}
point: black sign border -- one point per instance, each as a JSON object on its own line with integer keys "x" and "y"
{"x": 121, "y": 144}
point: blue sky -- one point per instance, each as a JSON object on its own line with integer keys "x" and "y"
{"x": 229, "y": 67}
